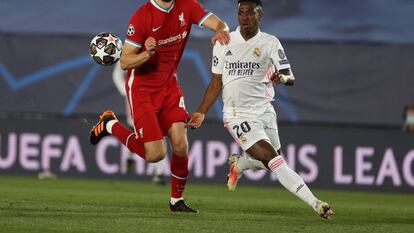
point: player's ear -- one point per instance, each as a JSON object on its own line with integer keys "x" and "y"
{"x": 260, "y": 12}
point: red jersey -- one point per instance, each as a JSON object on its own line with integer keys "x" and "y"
{"x": 171, "y": 28}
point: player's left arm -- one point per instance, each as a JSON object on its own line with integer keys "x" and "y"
{"x": 283, "y": 76}
{"x": 220, "y": 27}
{"x": 203, "y": 18}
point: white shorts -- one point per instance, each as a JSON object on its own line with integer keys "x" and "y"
{"x": 247, "y": 131}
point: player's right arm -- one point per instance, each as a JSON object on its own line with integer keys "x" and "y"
{"x": 131, "y": 58}
{"x": 214, "y": 87}
{"x": 138, "y": 47}
{"x": 210, "y": 96}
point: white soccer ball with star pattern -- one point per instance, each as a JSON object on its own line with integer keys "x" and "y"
{"x": 105, "y": 48}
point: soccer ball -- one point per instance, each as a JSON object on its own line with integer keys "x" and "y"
{"x": 105, "y": 48}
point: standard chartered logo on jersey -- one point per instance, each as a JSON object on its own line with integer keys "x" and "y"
{"x": 175, "y": 38}
{"x": 241, "y": 68}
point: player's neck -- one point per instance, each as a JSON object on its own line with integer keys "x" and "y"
{"x": 248, "y": 35}
{"x": 164, "y": 4}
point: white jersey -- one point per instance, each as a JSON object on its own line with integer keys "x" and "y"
{"x": 246, "y": 67}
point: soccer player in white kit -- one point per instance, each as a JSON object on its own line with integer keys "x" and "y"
{"x": 240, "y": 70}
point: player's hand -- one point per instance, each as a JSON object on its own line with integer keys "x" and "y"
{"x": 222, "y": 37}
{"x": 196, "y": 120}
{"x": 276, "y": 78}
{"x": 150, "y": 45}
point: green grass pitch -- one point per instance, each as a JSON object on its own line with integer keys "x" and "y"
{"x": 28, "y": 204}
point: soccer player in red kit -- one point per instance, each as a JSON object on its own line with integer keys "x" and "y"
{"x": 156, "y": 38}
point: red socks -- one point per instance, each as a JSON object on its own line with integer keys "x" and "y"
{"x": 179, "y": 165}
{"x": 179, "y": 173}
{"x": 127, "y": 137}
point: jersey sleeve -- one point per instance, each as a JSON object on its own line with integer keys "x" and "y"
{"x": 136, "y": 30}
{"x": 217, "y": 63}
{"x": 278, "y": 56}
{"x": 198, "y": 13}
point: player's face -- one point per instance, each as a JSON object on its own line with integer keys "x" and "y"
{"x": 249, "y": 17}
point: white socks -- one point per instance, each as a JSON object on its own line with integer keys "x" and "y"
{"x": 291, "y": 180}
{"x": 175, "y": 200}
{"x": 109, "y": 125}
{"x": 286, "y": 176}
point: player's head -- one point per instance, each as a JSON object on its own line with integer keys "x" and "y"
{"x": 249, "y": 14}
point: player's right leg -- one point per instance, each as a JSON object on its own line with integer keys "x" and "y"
{"x": 239, "y": 164}
{"x": 234, "y": 172}
{"x": 241, "y": 131}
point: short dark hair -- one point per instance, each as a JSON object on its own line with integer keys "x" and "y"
{"x": 258, "y": 2}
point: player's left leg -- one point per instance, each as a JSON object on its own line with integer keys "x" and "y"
{"x": 179, "y": 166}
{"x": 264, "y": 151}
{"x": 159, "y": 176}
{"x": 288, "y": 177}
{"x": 172, "y": 117}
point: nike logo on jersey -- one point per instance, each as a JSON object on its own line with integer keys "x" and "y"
{"x": 156, "y": 29}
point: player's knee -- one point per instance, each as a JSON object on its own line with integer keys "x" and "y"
{"x": 180, "y": 148}
{"x": 154, "y": 157}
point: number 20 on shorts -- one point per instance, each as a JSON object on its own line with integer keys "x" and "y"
{"x": 244, "y": 127}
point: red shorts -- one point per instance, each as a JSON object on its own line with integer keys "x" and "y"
{"x": 154, "y": 111}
